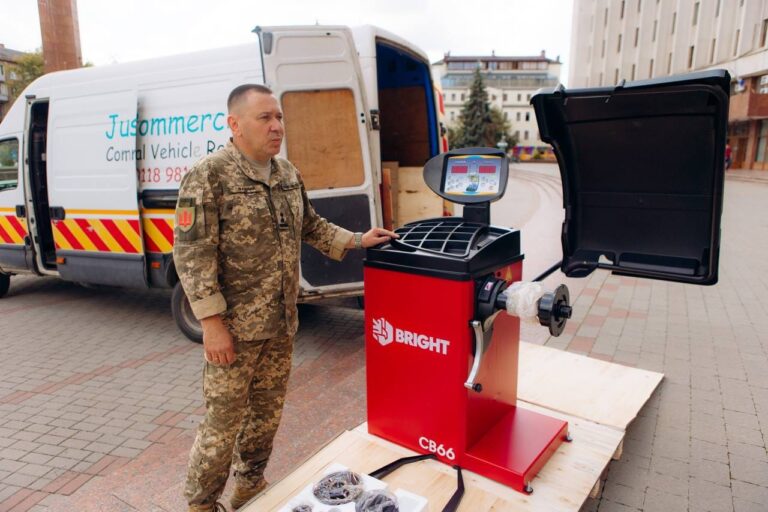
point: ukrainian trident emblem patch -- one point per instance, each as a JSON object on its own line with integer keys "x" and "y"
{"x": 185, "y": 218}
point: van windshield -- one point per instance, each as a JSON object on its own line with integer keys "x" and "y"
{"x": 9, "y": 163}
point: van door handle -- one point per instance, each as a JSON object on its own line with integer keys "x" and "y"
{"x": 57, "y": 212}
{"x": 21, "y": 211}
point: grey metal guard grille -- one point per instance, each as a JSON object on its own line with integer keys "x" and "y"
{"x": 442, "y": 236}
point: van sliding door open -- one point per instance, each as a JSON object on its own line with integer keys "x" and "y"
{"x": 93, "y": 189}
{"x": 315, "y": 73}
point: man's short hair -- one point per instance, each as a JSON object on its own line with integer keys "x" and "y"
{"x": 239, "y": 92}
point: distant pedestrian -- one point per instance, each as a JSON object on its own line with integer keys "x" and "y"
{"x": 728, "y": 159}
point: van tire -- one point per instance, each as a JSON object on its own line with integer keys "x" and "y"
{"x": 183, "y": 316}
{"x": 5, "y": 284}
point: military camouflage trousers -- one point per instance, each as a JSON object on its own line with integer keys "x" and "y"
{"x": 244, "y": 402}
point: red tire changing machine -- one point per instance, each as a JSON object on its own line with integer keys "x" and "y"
{"x": 441, "y": 356}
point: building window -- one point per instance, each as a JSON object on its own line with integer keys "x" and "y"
{"x": 517, "y": 134}
{"x": 506, "y": 116}
{"x": 2, "y": 70}
{"x": 650, "y": 69}
{"x": 736, "y": 42}
{"x": 9, "y": 163}
{"x": 763, "y": 34}
{"x": 504, "y": 97}
{"x": 453, "y": 96}
{"x": 690, "y": 56}
{"x": 529, "y": 98}
{"x": 655, "y": 26}
{"x": 712, "y": 51}
{"x": 527, "y": 116}
{"x": 618, "y": 47}
{"x": 518, "y": 116}
{"x": 762, "y": 142}
{"x": 519, "y": 97}
{"x": 462, "y": 96}
{"x": 669, "y": 64}
{"x": 453, "y": 115}
{"x": 526, "y": 134}
{"x": 695, "y": 13}
{"x": 637, "y": 35}
{"x": 493, "y": 97}
{"x": 633, "y": 72}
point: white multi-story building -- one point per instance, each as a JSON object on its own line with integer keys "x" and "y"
{"x": 614, "y": 40}
{"x": 510, "y": 82}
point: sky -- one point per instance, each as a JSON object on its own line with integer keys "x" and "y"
{"x": 126, "y": 30}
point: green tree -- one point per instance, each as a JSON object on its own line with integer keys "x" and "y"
{"x": 480, "y": 125}
{"x": 27, "y": 68}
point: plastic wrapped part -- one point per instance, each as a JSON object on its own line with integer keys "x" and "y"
{"x": 338, "y": 488}
{"x": 377, "y": 501}
{"x": 523, "y": 300}
{"x": 303, "y": 507}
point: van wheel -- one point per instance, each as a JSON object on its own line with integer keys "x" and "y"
{"x": 5, "y": 284}
{"x": 182, "y": 314}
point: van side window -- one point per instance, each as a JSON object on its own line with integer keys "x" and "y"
{"x": 9, "y": 163}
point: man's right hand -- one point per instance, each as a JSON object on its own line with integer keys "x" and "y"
{"x": 218, "y": 344}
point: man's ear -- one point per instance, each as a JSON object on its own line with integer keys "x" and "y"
{"x": 233, "y": 123}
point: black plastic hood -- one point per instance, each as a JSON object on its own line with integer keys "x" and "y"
{"x": 642, "y": 167}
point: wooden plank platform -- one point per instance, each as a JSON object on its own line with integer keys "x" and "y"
{"x": 562, "y": 485}
{"x": 605, "y": 393}
{"x": 597, "y": 398}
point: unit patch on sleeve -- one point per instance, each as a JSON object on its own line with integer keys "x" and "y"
{"x": 185, "y": 214}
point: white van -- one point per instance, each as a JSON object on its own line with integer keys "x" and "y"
{"x": 91, "y": 159}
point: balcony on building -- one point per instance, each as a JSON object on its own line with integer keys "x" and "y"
{"x": 749, "y": 99}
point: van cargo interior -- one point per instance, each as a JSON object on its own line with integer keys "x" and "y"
{"x": 406, "y": 108}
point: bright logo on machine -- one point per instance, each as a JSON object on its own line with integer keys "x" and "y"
{"x": 382, "y": 331}
{"x": 385, "y": 334}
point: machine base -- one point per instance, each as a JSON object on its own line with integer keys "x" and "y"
{"x": 516, "y": 448}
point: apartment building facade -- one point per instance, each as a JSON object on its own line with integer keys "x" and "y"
{"x": 614, "y": 40}
{"x": 510, "y": 82}
{"x": 8, "y": 60}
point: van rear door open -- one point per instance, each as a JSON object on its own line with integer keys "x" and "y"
{"x": 315, "y": 73}
{"x": 92, "y": 188}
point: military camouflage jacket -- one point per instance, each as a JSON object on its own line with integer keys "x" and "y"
{"x": 238, "y": 237}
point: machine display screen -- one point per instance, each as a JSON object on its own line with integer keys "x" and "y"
{"x": 472, "y": 175}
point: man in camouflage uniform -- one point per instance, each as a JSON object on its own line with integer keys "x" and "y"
{"x": 241, "y": 216}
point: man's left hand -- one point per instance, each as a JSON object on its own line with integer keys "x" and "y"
{"x": 377, "y": 236}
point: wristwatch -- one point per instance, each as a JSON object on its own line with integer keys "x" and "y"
{"x": 358, "y": 240}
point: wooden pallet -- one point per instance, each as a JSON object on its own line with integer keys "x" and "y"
{"x": 597, "y": 398}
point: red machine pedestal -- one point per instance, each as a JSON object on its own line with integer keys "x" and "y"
{"x": 419, "y": 351}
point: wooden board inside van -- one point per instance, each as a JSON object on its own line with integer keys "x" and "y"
{"x": 404, "y": 125}
{"x": 322, "y": 138}
{"x": 415, "y": 201}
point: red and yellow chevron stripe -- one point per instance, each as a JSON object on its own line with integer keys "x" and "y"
{"x": 90, "y": 230}
{"x": 158, "y": 230}
{"x": 12, "y": 229}
{"x": 99, "y": 235}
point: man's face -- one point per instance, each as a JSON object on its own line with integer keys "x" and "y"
{"x": 257, "y": 125}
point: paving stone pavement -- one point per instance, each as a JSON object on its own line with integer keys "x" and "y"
{"x": 100, "y": 394}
